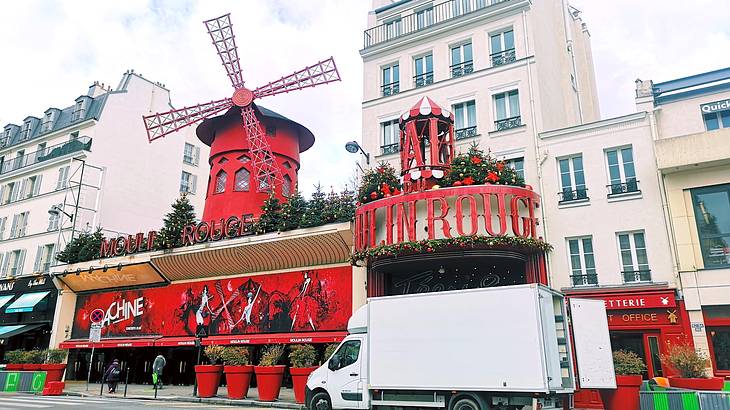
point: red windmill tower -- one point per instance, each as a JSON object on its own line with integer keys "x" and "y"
{"x": 238, "y": 153}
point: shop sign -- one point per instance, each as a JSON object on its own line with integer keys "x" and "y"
{"x": 20, "y": 285}
{"x": 716, "y": 106}
{"x": 640, "y": 301}
{"x": 647, "y": 317}
{"x": 113, "y": 277}
{"x": 306, "y": 301}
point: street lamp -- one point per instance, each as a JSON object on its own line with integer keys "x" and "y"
{"x": 353, "y": 147}
{"x": 55, "y": 210}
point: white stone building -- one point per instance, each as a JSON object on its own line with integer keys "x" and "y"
{"x": 90, "y": 165}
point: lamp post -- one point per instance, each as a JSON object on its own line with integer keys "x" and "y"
{"x": 56, "y": 210}
{"x": 353, "y": 147}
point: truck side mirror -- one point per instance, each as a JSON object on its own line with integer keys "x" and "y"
{"x": 334, "y": 363}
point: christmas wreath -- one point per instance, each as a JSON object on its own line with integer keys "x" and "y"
{"x": 377, "y": 183}
{"x": 477, "y": 167}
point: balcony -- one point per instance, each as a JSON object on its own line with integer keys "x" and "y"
{"x": 503, "y": 57}
{"x": 636, "y": 276}
{"x": 390, "y": 149}
{"x": 465, "y": 133}
{"x": 575, "y": 195}
{"x": 414, "y": 22}
{"x": 584, "y": 280}
{"x": 462, "y": 69}
{"x": 390, "y": 89}
{"x": 54, "y": 151}
{"x": 507, "y": 123}
{"x": 423, "y": 79}
{"x": 623, "y": 188}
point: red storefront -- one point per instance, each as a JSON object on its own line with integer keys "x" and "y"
{"x": 645, "y": 320}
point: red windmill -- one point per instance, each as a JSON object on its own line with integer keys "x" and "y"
{"x": 250, "y": 138}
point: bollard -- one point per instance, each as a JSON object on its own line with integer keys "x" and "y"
{"x": 101, "y": 391}
{"x": 126, "y": 382}
{"x": 155, "y": 390}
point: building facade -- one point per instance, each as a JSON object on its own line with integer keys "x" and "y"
{"x": 89, "y": 165}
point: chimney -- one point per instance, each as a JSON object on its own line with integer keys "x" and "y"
{"x": 96, "y": 89}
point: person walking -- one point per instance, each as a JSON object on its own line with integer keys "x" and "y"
{"x": 112, "y": 375}
{"x": 157, "y": 367}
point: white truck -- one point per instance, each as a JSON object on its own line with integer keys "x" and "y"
{"x": 494, "y": 348}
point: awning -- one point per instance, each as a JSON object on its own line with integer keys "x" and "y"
{"x": 5, "y": 299}
{"x": 175, "y": 341}
{"x": 26, "y": 302}
{"x": 119, "y": 275}
{"x": 108, "y": 343}
{"x": 12, "y": 330}
{"x": 275, "y": 338}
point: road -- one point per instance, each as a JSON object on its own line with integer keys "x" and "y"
{"x": 21, "y": 401}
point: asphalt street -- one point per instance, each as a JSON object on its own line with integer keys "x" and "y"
{"x": 21, "y": 401}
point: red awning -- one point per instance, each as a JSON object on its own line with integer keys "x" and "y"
{"x": 175, "y": 341}
{"x": 109, "y": 343}
{"x": 275, "y": 338}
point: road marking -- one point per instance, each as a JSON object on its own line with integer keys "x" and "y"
{"x": 21, "y": 403}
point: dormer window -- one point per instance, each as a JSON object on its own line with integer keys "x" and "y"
{"x": 47, "y": 123}
{"x": 25, "y": 131}
{"x": 79, "y": 111}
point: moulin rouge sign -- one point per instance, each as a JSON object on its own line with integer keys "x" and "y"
{"x": 205, "y": 231}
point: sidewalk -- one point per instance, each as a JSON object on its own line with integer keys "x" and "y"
{"x": 182, "y": 394}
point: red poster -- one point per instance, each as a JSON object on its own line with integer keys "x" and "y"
{"x": 303, "y": 301}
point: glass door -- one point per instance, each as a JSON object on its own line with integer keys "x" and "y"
{"x": 654, "y": 364}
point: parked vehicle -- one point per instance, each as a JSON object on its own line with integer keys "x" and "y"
{"x": 494, "y": 348}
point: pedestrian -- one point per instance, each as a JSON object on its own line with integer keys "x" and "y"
{"x": 112, "y": 375}
{"x": 157, "y": 367}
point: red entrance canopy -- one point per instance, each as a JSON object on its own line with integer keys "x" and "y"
{"x": 175, "y": 341}
{"x": 108, "y": 343}
{"x": 275, "y": 338}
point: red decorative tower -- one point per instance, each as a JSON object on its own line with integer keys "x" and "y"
{"x": 427, "y": 144}
{"x": 236, "y": 150}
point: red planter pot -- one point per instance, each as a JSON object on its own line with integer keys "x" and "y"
{"x": 626, "y": 395}
{"x": 54, "y": 372}
{"x": 712, "y": 383}
{"x": 209, "y": 378}
{"x": 238, "y": 379}
{"x": 269, "y": 380}
{"x": 299, "y": 377}
{"x": 31, "y": 367}
{"x": 13, "y": 366}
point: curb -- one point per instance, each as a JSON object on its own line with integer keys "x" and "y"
{"x": 212, "y": 400}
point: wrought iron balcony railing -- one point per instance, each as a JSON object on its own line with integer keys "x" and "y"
{"x": 461, "y": 69}
{"x": 49, "y": 153}
{"x": 619, "y": 188}
{"x": 390, "y": 89}
{"x": 503, "y": 57}
{"x": 423, "y": 79}
{"x": 590, "y": 279}
{"x": 464, "y": 133}
{"x": 568, "y": 195}
{"x": 414, "y": 22}
{"x": 642, "y": 275}
{"x": 507, "y": 123}
{"x": 390, "y": 149}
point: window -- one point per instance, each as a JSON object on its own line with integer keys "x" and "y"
{"x": 424, "y": 70}
{"x": 263, "y": 183}
{"x": 634, "y": 263}
{"x": 621, "y": 171}
{"x": 720, "y": 343}
{"x": 391, "y": 80}
{"x": 20, "y": 222}
{"x": 503, "y": 47}
{"x": 460, "y": 7}
{"x": 54, "y": 219}
{"x": 25, "y": 131}
{"x": 572, "y": 179}
{"x": 390, "y": 137}
{"x": 188, "y": 183}
{"x": 243, "y": 180}
{"x": 47, "y": 123}
{"x": 3, "y": 222}
{"x": 424, "y": 18}
{"x": 507, "y": 110}
{"x": 191, "y": 154}
{"x": 19, "y": 159}
{"x": 461, "y": 60}
{"x": 712, "y": 215}
{"x": 465, "y": 120}
{"x": 62, "y": 181}
{"x": 393, "y": 28}
{"x": 244, "y": 159}
{"x": 40, "y": 152}
{"x": 220, "y": 182}
{"x": 346, "y": 355}
{"x": 44, "y": 258}
{"x": 31, "y": 187}
{"x": 79, "y": 110}
{"x": 582, "y": 264}
{"x": 518, "y": 164}
{"x": 10, "y": 192}
{"x": 286, "y": 187}
{"x": 715, "y": 120}
{"x": 13, "y": 263}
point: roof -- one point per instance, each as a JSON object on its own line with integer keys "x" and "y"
{"x": 425, "y": 108}
{"x": 207, "y": 129}
{"x": 710, "y": 82}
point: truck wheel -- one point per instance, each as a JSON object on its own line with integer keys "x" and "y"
{"x": 465, "y": 403}
{"x": 321, "y": 401}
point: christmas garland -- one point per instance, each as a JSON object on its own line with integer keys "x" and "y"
{"x": 431, "y": 245}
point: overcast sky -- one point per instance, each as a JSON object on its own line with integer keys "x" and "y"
{"x": 52, "y": 52}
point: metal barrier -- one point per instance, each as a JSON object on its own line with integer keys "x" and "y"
{"x": 684, "y": 400}
{"x": 22, "y": 381}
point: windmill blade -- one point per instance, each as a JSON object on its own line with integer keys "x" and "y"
{"x": 268, "y": 175}
{"x": 221, "y": 32}
{"x": 321, "y": 73}
{"x": 163, "y": 123}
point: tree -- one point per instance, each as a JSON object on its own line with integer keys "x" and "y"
{"x": 84, "y": 247}
{"x": 378, "y": 183}
{"x": 315, "y": 209}
{"x": 182, "y": 214}
{"x": 271, "y": 218}
{"x": 293, "y": 211}
{"x": 339, "y": 207}
{"x": 477, "y": 167}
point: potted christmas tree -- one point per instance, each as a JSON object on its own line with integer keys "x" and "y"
{"x": 302, "y": 358}
{"x": 238, "y": 371}
{"x": 54, "y": 365}
{"x": 269, "y": 373}
{"x": 208, "y": 376}
{"x": 15, "y": 359}
{"x": 628, "y": 367}
{"x": 692, "y": 368}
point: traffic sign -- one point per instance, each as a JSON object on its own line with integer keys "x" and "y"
{"x": 95, "y": 332}
{"x": 97, "y": 316}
